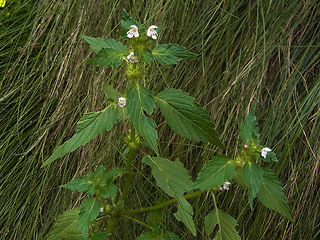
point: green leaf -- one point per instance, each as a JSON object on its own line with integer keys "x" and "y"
{"x": 154, "y": 218}
{"x": 145, "y": 54}
{"x": 113, "y": 173}
{"x": 89, "y": 127}
{"x": 66, "y": 226}
{"x": 127, "y": 21}
{"x": 89, "y": 210}
{"x": 215, "y": 173}
{"x": 158, "y": 236}
{"x": 226, "y": 225}
{"x": 100, "y": 236}
{"x": 271, "y": 156}
{"x": 186, "y": 117}
{"x": 110, "y": 57}
{"x": 174, "y": 180}
{"x": 111, "y": 93}
{"x": 108, "y": 191}
{"x": 140, "y": 100}
{"x": 97, "y": 182}
{"x": 238, "y": 176}
{"x": 167, "y": 54}
{"x": 249, "y": 129}
{"x": 271, "y": 194}
{"x": 96, "y": 44}
{"x": 185, "y": 213}
{"x": 253, "y": 177}
{"x": 80, "y": 184}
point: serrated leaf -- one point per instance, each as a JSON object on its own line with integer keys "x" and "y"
{"x": 127, "y": 21}
{"x": 100, "y": 236}
{"x": 238, "y": 176}
{"x": 80, "y": 184}
{"x": 186, "y": 117}
{"x": 89, "y": 210}
{"x": 154, "y": 217}
{"x": 249, "y": 129}
{"x": 174, "y": 180}
{"x": 271, "y": 157}
{"x": 110, "y": 57}
{"x": 167, "y": 54}
{"x": 113, "y": 173}
{"x": 111, "y": 93}
{"x": 158, "y": 236}
{"x": 215, "y": 173}
{"x": 140, "y": 100}
{"x": 66, "y": 226}
{"x": 96, "y": 44}
{"x": 253, "y": 177}
{"x": 145, "y": 54}
{"x": 90, "y": 128}
{"x": 271, "y": 194}
{"x": 226, "y": 225}
{"x": 185, "y": 213}
{"x": 108, "y": 191}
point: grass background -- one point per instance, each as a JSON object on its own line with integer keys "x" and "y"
{"x": 263, "y": 52}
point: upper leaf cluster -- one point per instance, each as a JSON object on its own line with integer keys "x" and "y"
{"x": 110, "y": 52}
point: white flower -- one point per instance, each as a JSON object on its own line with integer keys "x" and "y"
{"x": 133, "y": 32}
{"x": 121, "y": 101}
{"x": 265, "y": 151}
{"x": 101, "y": 209}
{"x": 132, "y": 58}
{"x": 226, "y": 185}
{"x": 151, "y": 32}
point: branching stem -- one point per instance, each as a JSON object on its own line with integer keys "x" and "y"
{"x": 162, "y": 205}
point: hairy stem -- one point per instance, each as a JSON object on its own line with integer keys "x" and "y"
{"x": 130, "y": 158}
{"x": 162, "y": 205}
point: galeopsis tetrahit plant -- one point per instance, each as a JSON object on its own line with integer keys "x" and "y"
{"x": 105, "y": 205}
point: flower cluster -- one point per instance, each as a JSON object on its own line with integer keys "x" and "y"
{"x": 134, "y": 32}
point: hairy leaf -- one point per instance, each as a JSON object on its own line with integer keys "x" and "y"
{"x": 89, "y": 210}
{"x": 249, "y": 128}
{"x": 96, "y": 44}
{"x": 146, "y": 54}
{"x": 271, "y": 194}
{"x": 226, "y": 225}
{"x": 253, "y": 177}
{"x": 154, "y": 217}
{"x": 100, "y": 236}
{"x": 185, "y": 213}
{"x": 215, "y": 173}
{"x": 80, "y": 184}
{"x": 127, "y": 21}
{"x": 271, "y": 156}
{"x": 186, "y": 117}
{"x": 111, "y": 93}
{"x": 139, "y": 101}
{"x": 167, "y": 54}
{"x": 174, "y": 180}
{"x": 97, "y": 182}
{"x": 158, "y": 236}
{"x": 66, "y": 226}
{"x": 90, "y": 126}
{"x": 110, "y": 57}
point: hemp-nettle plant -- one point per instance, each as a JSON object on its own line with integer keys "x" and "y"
{"x": 105, "y": 205}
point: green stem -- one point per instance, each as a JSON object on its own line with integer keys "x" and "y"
{"x": 162, "y": 205}
{"x": 130, "y": 158}
{"x": 140, "y": 222}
